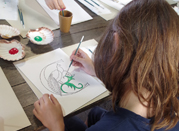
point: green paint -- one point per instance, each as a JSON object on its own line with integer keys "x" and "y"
{"x": 38, "y": 38}
{"x": 70, "y": 84}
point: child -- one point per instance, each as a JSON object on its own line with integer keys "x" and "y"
{"x": 137, "y": 59}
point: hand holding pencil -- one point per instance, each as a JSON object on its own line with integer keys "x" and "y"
{"x": 83, "y": 61}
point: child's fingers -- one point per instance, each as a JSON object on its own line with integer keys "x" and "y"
{"x": 46, "y": 98}
{"x": 54, "y": 100}
{"x": 37, "y": 105}
{"x": 50, "y": 7}
{"x": 48, "y": 4}
{"x": 35, "y": 112}
{"x": 61, "y": 4}
{"x": 41, "y": 101}
{"x": 56, "y": 5}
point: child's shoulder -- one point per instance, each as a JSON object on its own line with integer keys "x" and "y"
{"x": 120, "y": 120}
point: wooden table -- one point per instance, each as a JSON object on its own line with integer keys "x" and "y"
{"x": 92, "y": 29}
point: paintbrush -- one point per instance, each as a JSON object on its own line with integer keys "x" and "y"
{"x": 23, "y": 24}
{"x": 75, "y": 54}
{"x": 62, "y": 12}
{"x": 97, "y": 4}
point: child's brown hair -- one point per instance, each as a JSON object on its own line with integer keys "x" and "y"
{"x": 147, "y": 55}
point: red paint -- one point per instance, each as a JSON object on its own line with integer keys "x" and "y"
{"x": 13, "y": 51}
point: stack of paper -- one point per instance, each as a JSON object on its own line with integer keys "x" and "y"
{"x": 11, "y": 112}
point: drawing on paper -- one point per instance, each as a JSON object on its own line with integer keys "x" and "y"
{"x": 58, "y": 81}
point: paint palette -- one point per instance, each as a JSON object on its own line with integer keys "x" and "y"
{"x": 11, "y": 50}
{"x": 7, "y": 32}
{"x": 41, "y": 36}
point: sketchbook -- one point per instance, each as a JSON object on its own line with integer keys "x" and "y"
{"x": 73, "y": 89}
{"x": 12, "y": 115}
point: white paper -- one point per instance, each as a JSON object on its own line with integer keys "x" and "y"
{"x": 68, "y": 50}
{"x": 89, "y": 50}
{"x": 172, "y": 1}
{"x": 10, "y": 109}
{"x": 99, "y": 10}
{"x": 8, "y": 9}
{"x": 34, "y": 17}
{"x": 111, "y": 15}
{"x": 125, "y": 2}
{"x": 114, "y": 4}
{"x": 79, "y": 15}
{"x": 48, "y": 76}
{"x": 176, "y": 9}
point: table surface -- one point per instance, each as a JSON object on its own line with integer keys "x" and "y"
{"x": 92, "y": 29}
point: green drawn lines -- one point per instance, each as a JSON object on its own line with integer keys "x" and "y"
{"x": 70, "y": 84}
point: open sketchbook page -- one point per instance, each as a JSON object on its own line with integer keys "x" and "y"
{"x": 68, "y": 50}
{"x": 72, "y": 89}
{"x": 79, "y": 15}
{"x": 11, "y": 111}
{"x": 8, "y": 9}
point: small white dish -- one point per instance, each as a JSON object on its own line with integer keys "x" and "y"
{"x": 7, "y": 32}
{"x": 41, "y": 36}
{"x": 11, "y": 50}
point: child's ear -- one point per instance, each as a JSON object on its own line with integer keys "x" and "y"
{"x": 116, "y": 40}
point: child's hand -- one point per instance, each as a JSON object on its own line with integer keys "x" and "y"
{"x": 55, "y": 4}
{"x": 49, "y": 112}
{"x": 82, "y": 60}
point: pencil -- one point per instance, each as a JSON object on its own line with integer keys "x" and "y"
{"x": 19, "y": 15}
{"x": 62, "y": 12}
{"x": 89, "y": 3}
{"x": 22, "y": 20}
{"x": 90, "y": 50}
{"x": 75, "y": 52}
{"x": 97, "y": 4}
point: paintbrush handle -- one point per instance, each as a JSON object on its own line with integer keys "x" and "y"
{"x": 62, "y": 12}
{"x": 89, "y": 3}
{"x": 19, "y": 13}
{"x": 97, "y": 4}
{"x": 76, "y": 51}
